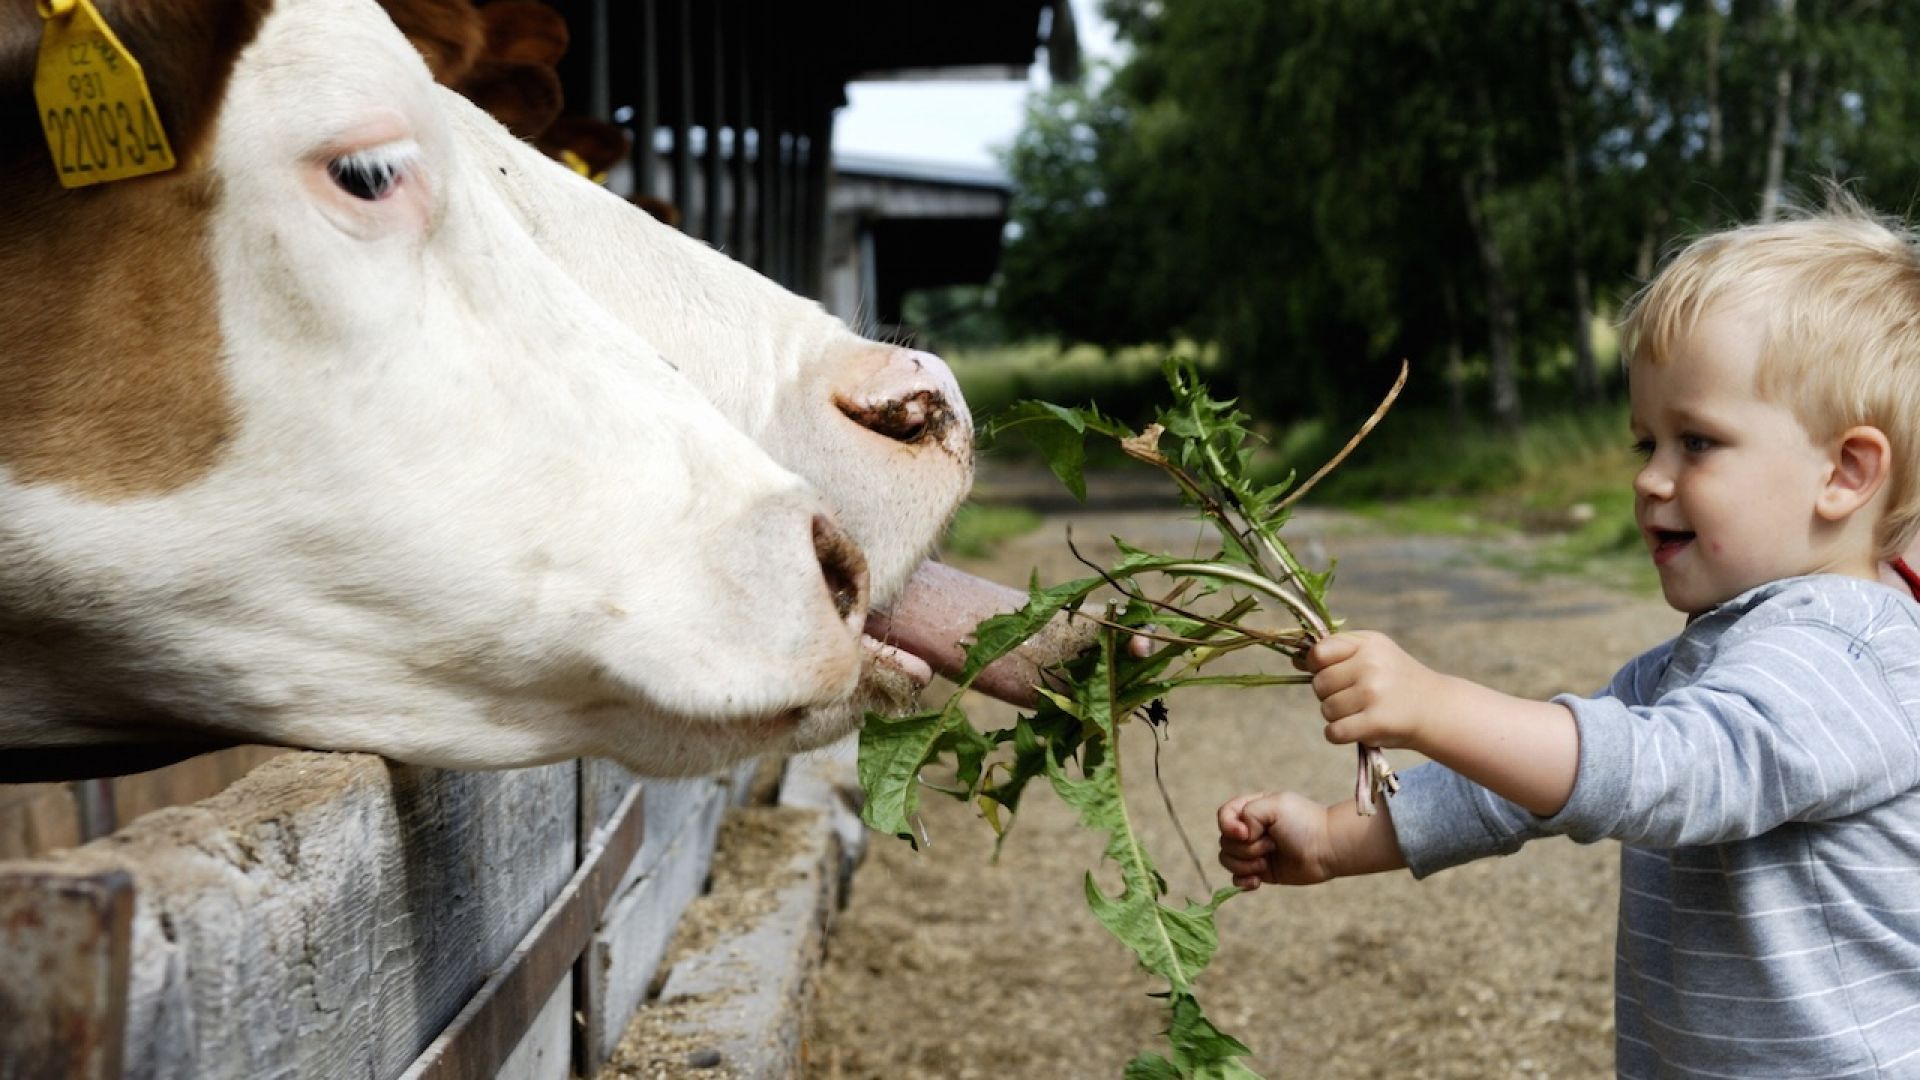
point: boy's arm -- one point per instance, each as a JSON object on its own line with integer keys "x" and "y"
{"x": 1372, "y": 692}
{"x": 1525, "y": 751}
{"x": 1280, "y": 838}
{"x": 1363, "y": 843}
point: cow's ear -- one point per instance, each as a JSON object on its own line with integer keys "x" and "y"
{"x": 526, "y": 31}
{"x": 524, "y": 97}
{"x": 447, "y": 33}
{"x": 186, "y": 49}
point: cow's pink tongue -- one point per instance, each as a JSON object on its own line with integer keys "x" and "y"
{"x": 934, "y": 616}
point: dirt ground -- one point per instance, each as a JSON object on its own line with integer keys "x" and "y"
{"x": 948, "y": 965}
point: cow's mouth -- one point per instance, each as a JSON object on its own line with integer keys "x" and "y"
{"x": 927, "y": 627}
{"x": 900, "y": 660}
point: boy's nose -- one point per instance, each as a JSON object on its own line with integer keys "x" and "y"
{"x": 1651, "y": 482}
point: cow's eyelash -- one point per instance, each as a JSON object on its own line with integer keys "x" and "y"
{"x": 373, "y": 174}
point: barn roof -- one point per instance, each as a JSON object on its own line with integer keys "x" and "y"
{"x": 769, "y": 75}
{"x": 815, "y": 48}
{"x": 993, "y": 39}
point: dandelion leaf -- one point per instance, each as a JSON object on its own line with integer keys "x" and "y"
{"x": 893, "y": 750}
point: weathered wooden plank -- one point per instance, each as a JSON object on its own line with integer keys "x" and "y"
{"x": 64, "y": 943}
{"x": 546, "y": 1050}
{"x": 622, "y": 959}
{"x": 36, "y": 818}
{"x": 603, "y": 784}
{"x": 328, "y": 914}
{"x": 481, "y": 1038}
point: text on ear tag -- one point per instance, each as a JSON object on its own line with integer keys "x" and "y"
{"x": 98, "y": 114}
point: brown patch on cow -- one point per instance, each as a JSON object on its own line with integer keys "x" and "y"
{"x": 110, "y": 382}
{"x": 525, "y": 31}
{"x": 513, "y": 78}
{"x": 525, "y": 98}
{"x": 448, "y": 34}
{"x": 110, "y": 376}
{"x": 661, "y": 210}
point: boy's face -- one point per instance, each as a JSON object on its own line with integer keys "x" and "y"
{"x": 1726, "y": 497}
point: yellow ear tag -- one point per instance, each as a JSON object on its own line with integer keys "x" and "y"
{"x": 579, "y": 164}
{"x": 100, "y": 119}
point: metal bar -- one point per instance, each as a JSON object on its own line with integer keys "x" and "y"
{"x": 767, "y": 76}
{"x": 646, "y": 121}
{"x": 712, "y": 168}
{"x": 599, "y": 62}
{"x": 479, "y": 1040}
{"x": 819, "y": 181}
{"x": 740, "y": 119}
{"x": 66, "y": 948}
{"x": 95, "y": 803}
{"x": 682, "y": 118}
{"x": 795, "y": 178}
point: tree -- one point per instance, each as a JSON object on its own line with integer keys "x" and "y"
{"x": 1322, "y": 187}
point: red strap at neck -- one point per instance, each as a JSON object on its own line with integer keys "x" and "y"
{"x": 1907, "y": 575}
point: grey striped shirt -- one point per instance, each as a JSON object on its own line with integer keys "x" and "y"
{"x": 1763, "y": 773}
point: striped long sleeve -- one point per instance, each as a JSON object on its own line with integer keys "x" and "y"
{"x": 1763, "y": 771}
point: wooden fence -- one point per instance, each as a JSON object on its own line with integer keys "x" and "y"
{"x": 343, "y": 915}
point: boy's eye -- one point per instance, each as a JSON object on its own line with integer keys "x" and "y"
{"x": 1695, "y": 444}
{"x": 1642, "y": 448}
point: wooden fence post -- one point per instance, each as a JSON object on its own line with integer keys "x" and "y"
{"x": 65, "y": 942}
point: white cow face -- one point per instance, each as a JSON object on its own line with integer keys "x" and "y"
{"x": 361, "y": 440}
{"x": 881, "y": 431}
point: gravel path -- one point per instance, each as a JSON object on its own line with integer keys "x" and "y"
{"x": 946, "y": 964}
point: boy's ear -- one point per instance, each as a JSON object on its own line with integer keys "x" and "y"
{"x": 1862, "y": 457}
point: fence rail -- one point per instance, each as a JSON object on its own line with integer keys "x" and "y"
{"x": 339, "y": 914}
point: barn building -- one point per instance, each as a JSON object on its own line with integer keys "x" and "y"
{"x": 739, "y": 96}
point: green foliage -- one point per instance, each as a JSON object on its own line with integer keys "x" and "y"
{"x": 978, "y": 527}
{"x": 1126, "y": 384}
{"x": 1321, "y": 189}
{"x": 1072, "y": 737}
{"x": 1564, "y": 480}
{"x": 1562, "y": 457}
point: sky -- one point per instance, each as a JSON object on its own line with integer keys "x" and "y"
{"x": 952, "y": 123}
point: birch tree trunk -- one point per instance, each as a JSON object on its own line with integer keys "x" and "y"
{"x": 1455, "y": 375}
{"x": 1782, "y": 112}
{"x": 1502, "y": 321}
{"x": 1716, "y": 123}
{"x": 1586, "y": 375}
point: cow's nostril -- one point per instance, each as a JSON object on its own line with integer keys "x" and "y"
{"x": 843, "y": 567}
{"x": 910, "y": 419}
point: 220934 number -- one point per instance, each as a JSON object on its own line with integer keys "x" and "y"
{"x": 102, "y": 136}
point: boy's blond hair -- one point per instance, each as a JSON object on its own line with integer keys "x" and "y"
{"x": 1840, "y": 292}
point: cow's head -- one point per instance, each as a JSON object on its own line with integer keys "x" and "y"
{"x": 370, "y": 428}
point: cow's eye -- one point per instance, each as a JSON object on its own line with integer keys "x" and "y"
{"x": 370, "y": 174}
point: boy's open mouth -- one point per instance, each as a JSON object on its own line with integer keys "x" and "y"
{"x": 1667, "y": 543}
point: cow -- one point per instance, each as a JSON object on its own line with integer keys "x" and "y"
{"x": 369, "y": 427}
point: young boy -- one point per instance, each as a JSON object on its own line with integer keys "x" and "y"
{"x": 1763, "y": 768}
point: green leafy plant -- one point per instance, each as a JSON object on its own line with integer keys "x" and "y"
{"x": 1208, "y": 608}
